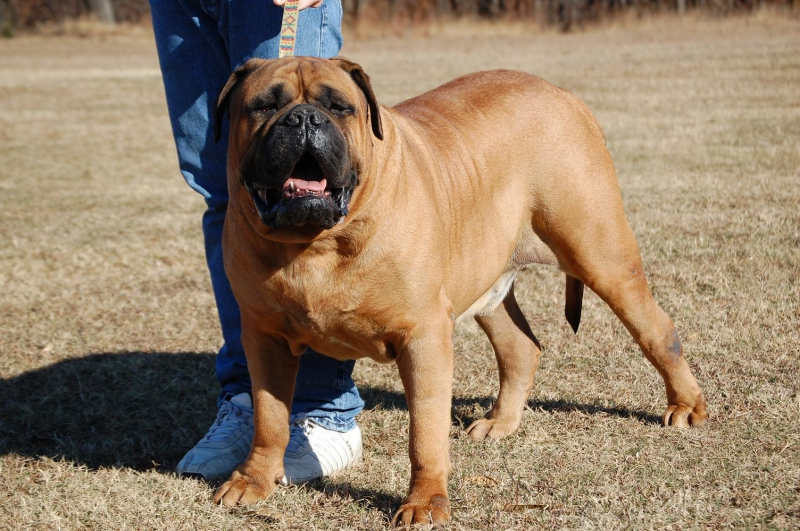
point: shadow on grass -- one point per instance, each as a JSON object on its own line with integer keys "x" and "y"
{"x": 133, "y": 409}
{"x": 370, "y": 499}
{"x": 145, "y": 410}
{"x": 553, "y": 406}
{"x": 387, "y": 399}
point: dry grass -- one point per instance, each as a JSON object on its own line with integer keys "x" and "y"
{"x": 107, "y": 327}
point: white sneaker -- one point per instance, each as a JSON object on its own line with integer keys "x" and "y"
{"x": 226, "y": 444}
{"x": 315, "y": 451}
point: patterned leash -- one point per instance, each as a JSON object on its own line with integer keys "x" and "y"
{"x": 288, "y": 28}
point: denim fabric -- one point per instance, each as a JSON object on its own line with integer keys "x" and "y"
{"x": 199, "y": 43}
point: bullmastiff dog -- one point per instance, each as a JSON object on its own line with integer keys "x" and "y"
{"x": 365, "y": 231}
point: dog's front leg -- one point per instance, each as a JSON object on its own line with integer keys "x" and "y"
{"x": 273, "y": 370}
{"x": 426, "y": 369}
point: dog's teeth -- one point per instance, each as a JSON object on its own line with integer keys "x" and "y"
{"x": 263, "y": 194}
{"x": 291, "y": 186}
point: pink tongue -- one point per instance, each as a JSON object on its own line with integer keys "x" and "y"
{"x": 302, "y": 186}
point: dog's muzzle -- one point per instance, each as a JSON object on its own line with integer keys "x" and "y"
{"x": 298, "y": 173}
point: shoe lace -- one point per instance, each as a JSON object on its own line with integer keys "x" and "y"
{"x": 299, "y": 430}
{"x": 230, "y": 420}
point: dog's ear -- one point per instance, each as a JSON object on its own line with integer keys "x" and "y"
{"x": 362, "y": 81}
{"x": 222, "y": 100}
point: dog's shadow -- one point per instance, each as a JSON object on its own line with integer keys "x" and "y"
{"x": 143, "y": 410}
{"x": 387, "y": 399}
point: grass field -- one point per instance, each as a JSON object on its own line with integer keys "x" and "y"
{"x": 108, "y": 328}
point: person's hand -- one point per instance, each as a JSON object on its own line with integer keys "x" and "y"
{"x": 302, "y": 4}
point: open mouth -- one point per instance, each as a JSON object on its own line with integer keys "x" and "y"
{"x": 306, "y": 179}
{"x": 304, "y": 197}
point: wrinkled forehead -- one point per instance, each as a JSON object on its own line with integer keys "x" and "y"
{"x": 307, "y": 78}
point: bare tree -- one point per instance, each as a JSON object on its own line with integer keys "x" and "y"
{"x": 103, "y": 10}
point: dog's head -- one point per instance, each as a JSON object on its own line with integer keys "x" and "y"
{"x": 300, "y": 130}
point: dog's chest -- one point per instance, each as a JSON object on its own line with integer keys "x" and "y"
{"x": 335, "y": 314}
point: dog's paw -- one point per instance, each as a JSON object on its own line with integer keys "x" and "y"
{"x": 243, "y": 489}
{"x": 491, "y": 428}
{"x": 683, "y": 416}
{"x": 436, "y": 511}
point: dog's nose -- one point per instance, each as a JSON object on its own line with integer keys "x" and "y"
{"x": 305, "y": 115}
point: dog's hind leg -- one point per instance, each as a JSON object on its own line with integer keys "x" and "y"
{"x": 628, "y": 295}
{"x": 517, "y": 351}
{"x": 601, "y": 251}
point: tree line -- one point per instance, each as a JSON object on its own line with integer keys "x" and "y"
{"x": 20, "y": 14}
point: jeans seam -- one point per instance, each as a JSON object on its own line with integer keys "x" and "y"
{"x": 324, "y": 25}
{"x": 211, "y": 7}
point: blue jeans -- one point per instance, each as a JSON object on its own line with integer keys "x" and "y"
{"x": 200, "y": 42}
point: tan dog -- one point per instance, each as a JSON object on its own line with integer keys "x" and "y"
{"x": 364, "y": 231}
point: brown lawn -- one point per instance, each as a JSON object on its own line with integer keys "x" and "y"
{"x": 108, "y": 330}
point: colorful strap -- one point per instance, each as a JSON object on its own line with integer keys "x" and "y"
{"x": 288, "y": 28}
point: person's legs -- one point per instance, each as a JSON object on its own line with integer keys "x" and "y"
{"x": 199, "y": 43}
{"x": 194, "y": 63}
{"x": 324, "y": 391}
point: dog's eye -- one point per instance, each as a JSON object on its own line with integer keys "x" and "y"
{"x": 260, "y": 111}
{"x": 340, "y": 109}
{"x": 262, "y": 106}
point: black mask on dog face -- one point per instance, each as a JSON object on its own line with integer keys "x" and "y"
{"x": 298, "y": 173}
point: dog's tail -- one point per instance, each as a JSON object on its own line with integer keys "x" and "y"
{"x": 574, "y": 302}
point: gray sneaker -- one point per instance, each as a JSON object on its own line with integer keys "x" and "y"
{"x": 225, "y": 445}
